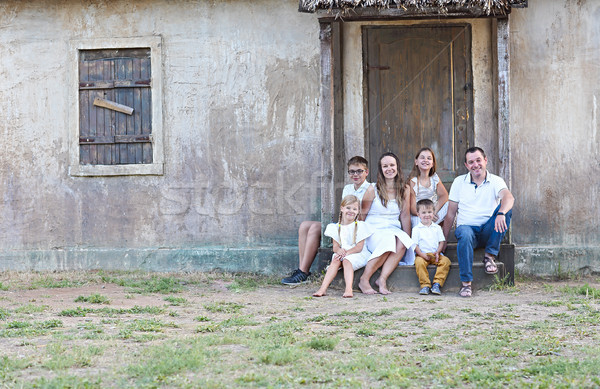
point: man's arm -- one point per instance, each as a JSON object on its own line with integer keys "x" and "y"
{"x": 507, "y": 201}
{"x": 449, "y": 219}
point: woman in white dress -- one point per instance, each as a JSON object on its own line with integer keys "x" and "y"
{"x": 387, "y": 209}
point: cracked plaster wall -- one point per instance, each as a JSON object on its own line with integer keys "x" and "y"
{"x": 241, "y": 126}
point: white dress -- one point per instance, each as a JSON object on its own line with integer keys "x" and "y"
{"x": 423, "y": 192}
{"x": 346, "y": 241}
{"x": 386, "y": 227}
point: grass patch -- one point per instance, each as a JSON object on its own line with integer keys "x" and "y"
{"x": 148, "y": 325}
{"x": 111, "y": 312}
{"x": 150, "y": 284}
{"x": 93, "y": 299}
{"x": 325, "y": 343}
{"x": 583, "y": 290}
{"x": 176, "y": 301}
{"x": 31, "y": 308}
{"x": 4, "y": 314}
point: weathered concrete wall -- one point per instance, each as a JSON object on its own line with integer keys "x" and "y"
{"x": 241, "y": 138}
{"x": 555, "y": 93}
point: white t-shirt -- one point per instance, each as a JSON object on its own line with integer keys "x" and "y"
{"x": 360, "y": 192}
{"x": 476, "y": 204}
{"x": 345, "y": 238}
{"x": 428, "y": 238}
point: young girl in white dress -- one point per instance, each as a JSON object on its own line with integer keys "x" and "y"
{"x": 425, "y": 184}
{"x": 349, "y": 248}
{"x": 387, "y": 209}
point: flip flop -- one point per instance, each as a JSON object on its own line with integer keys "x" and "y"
{"x": 465, "y": 291}
{"x": 490, "y": 265}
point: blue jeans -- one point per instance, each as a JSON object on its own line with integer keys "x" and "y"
{"x": 472, "y": 237}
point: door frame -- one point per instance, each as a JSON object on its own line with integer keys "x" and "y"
{"x": 333, "y": 161}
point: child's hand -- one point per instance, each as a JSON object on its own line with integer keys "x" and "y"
{"x": 342, "y": 253}
{"x": 437, "y": 257}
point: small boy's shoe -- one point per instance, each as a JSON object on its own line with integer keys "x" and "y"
{"x": 298, "y": 277}
{"x": 425, "y": 290}
{"x": 435, "y": 289}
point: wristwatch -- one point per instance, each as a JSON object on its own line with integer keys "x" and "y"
{"x": 500, "y": 213}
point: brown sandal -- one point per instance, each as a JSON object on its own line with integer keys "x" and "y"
{"x": 490, "y": 265}
{"x": 465, "y": 291}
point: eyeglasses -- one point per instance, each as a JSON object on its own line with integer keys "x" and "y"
{"x": 353, "y": 172}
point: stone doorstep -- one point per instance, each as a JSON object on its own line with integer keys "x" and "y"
{"x": 405, "y": 277}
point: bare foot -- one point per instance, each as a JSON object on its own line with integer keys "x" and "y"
{"x": 382, "y": 286}
{"x": 365, "y": 287}
{"x": 319, "y": 293}
{"x": 348, "y": 294}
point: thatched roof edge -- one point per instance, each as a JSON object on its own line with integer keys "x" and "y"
{"x": 495, "y": 7}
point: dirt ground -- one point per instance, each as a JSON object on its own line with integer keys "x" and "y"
{"x": 524, "y": 304}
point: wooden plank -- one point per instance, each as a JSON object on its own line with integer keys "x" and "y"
{"x": 121, "y": 124}
{"x": 129, "y": 101}
{"x": 96, "y": 140}
{"x": 136, "y": 83}
{"x": 99, "y": 102}
{"x": 96, "y": 85}
{"x": 331, "y": 118}
{"x": 139, "y": 138}
{"x": 107, "y": 139}
{"x": 146, "y": 116}
{"x": 502, "y": 56}
{"x": 137, "y": 104}
{"x": 84, "y": 114}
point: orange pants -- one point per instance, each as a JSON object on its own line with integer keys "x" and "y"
{"x": 443, "y": 267}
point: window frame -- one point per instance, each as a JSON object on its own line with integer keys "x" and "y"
{"x": 157, "y": 165}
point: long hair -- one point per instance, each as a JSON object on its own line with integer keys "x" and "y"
{"x": 399, "y": 182}
{"x": 350, "y": 199}
{"x": 415, "y": 170}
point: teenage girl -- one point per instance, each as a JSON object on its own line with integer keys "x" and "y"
{"x": 349, "y": 248}
{"x": 425, "y": 184}
{"x": 387, "y": 209}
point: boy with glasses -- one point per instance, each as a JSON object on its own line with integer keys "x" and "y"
{"x": 309, "y": 233}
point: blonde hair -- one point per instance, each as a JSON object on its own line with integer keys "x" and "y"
{"x": 350, "y": 199}
{"x": 399, "y": 184}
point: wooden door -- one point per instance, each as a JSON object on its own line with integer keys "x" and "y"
{"x": 419, "y": 93}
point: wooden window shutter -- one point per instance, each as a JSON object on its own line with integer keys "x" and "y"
{"x": 115, "y": 120}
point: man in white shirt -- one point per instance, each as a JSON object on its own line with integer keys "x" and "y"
{"x": 484, "y": 207}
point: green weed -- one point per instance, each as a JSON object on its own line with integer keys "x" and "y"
{"x": 31, "y": 308}
{"x": 93, "y": 299}
{"x": 325, "y": 343}
{"x": 583, "y": 290}
{"x": 175, "y": 301}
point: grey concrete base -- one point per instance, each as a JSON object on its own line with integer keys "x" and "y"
{"x": 556, "y": 261}
{"x": 265, "y": 260}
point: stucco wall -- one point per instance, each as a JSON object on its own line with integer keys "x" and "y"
{"x": 241, "y": 134}
{"x": 555, "y": 93}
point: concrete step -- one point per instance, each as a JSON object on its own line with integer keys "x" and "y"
{"x": 405, "y": 277}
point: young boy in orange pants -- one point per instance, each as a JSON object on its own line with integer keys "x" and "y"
{"x": 429, "y": 238}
